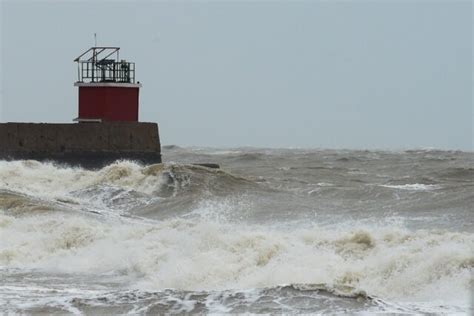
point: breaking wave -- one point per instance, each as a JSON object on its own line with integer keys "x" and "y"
{"x": 109, "y": 225}
{"x": 202, "y": 255}
{"x": 297, "y": 298}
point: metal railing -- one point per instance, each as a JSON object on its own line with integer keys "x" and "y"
{"x": 121, "y": 71}
{"x": 91, "y": 68}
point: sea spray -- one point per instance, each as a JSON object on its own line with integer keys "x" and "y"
{"x": 202, "y": 255}
{"x": 383, "y": 236}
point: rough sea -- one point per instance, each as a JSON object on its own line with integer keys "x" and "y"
{"x": 273, "y": 231}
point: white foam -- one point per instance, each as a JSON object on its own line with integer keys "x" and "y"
{"x": 50, "y": 181}
{"x": 325, "y": 184}
{"x": 392, "y": 263}
{"x": 413, "y": 187}
{"x": 205, "y": 252}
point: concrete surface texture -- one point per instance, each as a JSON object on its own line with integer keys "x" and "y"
{"x": 81, "y": 141}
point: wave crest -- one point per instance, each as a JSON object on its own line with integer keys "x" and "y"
{"x": 201, "y": 255}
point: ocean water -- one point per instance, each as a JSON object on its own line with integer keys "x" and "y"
{"x": 272, "y": 231}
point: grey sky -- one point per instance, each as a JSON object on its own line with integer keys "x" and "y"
{"x": 353, "y": 74}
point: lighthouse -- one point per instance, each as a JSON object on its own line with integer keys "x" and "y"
{"x": 107, "y": 88}
{"x": 108, "y": 128}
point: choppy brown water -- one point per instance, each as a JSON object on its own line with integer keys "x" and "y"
{"x": 275, "y": 230}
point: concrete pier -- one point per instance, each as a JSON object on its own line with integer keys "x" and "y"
{"x": 90, "y": 145}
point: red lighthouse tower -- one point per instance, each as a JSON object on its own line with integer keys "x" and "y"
{"x": 107, "y": 88}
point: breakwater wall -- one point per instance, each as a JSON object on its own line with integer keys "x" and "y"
{"x": 86, "y": 144}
